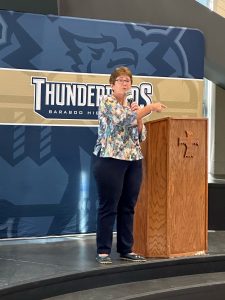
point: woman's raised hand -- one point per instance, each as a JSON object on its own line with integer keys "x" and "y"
{"x": 158, "y": 106}
{"x": 134, "y": 106}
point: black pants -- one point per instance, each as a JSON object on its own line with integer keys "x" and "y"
{"x": 118, "y": 184}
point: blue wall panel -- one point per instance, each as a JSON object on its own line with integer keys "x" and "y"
{"x": 46, "y": 182}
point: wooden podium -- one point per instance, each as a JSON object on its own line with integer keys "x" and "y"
{"x": 171, "y": 216}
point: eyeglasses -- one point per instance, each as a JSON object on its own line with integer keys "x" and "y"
{"x": 123, "y": 80}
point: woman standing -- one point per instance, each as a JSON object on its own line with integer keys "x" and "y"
{"x": 118, "y": 166}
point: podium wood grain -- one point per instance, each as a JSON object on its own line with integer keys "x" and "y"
{"x": 171, "y": 213}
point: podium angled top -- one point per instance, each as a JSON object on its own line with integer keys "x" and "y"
{"x": 176, "y": 118}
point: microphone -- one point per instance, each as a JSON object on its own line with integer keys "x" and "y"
{"x": 129, "y": 97}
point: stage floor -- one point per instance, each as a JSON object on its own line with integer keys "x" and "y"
{"x": 32, "y": 260}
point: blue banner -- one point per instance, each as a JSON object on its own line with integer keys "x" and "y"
{"x": 46, "y": 182}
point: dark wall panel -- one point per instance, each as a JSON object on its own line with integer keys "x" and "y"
{"x": 33, "y": 6}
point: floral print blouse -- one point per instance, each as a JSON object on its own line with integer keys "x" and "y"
{"x": 118, "y": 135}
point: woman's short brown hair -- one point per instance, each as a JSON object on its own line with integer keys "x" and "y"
{"x": 120, "y": 71}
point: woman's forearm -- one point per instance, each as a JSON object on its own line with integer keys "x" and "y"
{"x": 144, "y": 111}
